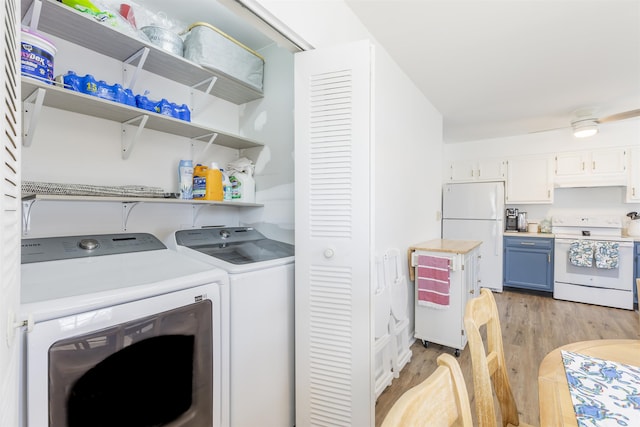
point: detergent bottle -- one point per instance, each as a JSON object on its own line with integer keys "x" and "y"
{"x": 214, "y": 183}
{"x": 199, "y": 182}
{"x": 244, "y": 186}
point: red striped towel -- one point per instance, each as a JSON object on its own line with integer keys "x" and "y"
{"x": 433, "y": 281}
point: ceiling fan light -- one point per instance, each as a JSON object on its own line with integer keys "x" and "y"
{"x": 584, "y": 128}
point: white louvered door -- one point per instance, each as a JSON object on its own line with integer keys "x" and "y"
{"x": 334, "y": 326}
{"x": 10, "y": 206}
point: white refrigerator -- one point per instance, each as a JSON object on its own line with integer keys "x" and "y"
{"x": 475, "y": 211}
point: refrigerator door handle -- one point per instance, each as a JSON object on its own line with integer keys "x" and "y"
{"x": 497, "y": 236}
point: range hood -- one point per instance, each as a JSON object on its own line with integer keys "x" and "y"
{"x": 590, "y": 181}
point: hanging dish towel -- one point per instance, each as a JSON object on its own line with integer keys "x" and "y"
{"x": 433, "y": 281}
{"x": 581, "y": 253}
{"x": 606, "y": 254}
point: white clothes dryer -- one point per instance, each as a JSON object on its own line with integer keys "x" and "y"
{"x": 120, "y": 331}
{"x": 261, "y": 311}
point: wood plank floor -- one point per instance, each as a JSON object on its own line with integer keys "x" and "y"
{"x": 532, "y": 326}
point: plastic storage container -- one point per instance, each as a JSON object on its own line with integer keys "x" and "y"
{"x": 36, "y": 57}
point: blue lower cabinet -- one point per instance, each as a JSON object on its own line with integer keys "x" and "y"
{"x": 528, "y": 263}
{"x": 636, "y": 268}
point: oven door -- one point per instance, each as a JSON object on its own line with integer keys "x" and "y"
{"x": 612, "y": 278}
{"x": 154, "y": 361}
{"x": 600, "y": 286}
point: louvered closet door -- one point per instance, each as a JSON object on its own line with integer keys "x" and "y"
{"x": 334, "y": 369}
{"x": 10, "y": 205}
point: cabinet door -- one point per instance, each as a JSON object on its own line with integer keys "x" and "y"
{"x": 607, "y": 162}
{"x": 529, "y": 180}
{"x": 476, "y": 170}
{"x": 571, "y": 164}
{"x": 528, "y": 263}
{"x": 490, "y": 170}
{"x": 334, "y": 338}
{"x": 462, "y": 171}
{"x": 633, "y": 189}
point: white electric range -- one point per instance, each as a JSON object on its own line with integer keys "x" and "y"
{"x": 593, "y": 261}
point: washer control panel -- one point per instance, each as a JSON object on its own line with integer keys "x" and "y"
{"x": 69, "y": 247}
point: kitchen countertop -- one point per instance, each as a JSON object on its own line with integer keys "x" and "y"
{"x": 447, "y": 245}
{"x": 527, "y": 234}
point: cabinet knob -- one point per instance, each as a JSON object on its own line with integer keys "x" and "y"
{"x": 329, "y": 253}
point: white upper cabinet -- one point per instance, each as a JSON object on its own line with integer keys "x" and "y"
{"x": 529, "y": 180}
{"x": 591, "y": 168}
{"x": 476, "y": 170}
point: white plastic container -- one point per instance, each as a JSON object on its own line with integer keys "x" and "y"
{"x": 226, "y": 187}
{"x": 36, "y": 58}
{"x": 185, "y": 179}
{"x": 243, "y": 187}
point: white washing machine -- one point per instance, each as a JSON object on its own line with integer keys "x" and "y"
{"x": 120, "y": 331}
{"x": 261, "y": 312}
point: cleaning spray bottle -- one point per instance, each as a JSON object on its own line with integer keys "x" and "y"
{"x": 226, "y": 186}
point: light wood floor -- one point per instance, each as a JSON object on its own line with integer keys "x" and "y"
{"x": 532, "y": 326}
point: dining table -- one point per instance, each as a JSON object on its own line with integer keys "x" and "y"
{"x": 555, "y": 398}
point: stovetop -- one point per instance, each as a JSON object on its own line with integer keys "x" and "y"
{"x": 589, "y": 227}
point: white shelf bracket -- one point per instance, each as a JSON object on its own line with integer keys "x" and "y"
{"x": 212, "y": 137}
{"x": 127, "y": 63}
{"x": 129, "y": 138}
{"x": 127, "y": 207}
{"x": 32, "y": 17}
{"x": 195, "y": 211}
{"x": 26, "y": 215}
{"x": 211, "y": 81}
{"x": 31, "y": 108}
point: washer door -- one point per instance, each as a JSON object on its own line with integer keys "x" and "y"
{"x": 141, "y": 363}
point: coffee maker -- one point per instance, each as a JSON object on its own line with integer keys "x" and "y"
{"x": 511, "y": 219}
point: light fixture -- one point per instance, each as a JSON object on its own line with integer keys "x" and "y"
{"x": 583, "y": 128}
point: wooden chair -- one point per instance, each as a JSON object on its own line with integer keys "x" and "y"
{"x": 489, "y": 365}
{"x": 439, "y": 401}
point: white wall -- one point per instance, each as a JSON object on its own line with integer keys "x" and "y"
{"x": 77, "y": 149}
{"x": 602, "y": 200}
{"x": 271, "y": 121}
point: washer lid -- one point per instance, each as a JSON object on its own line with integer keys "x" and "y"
{"x": 112, "y": 277}
{"x": 234, "y": 245}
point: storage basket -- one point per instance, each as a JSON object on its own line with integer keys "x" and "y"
{"x": 211, "y": 48}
